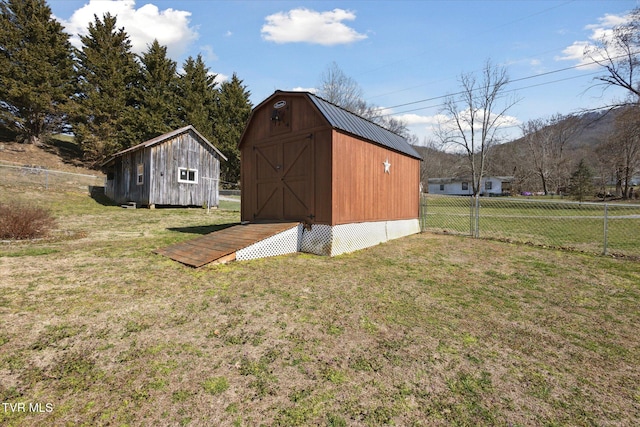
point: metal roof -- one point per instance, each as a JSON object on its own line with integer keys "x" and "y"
{"x": 344, "y": 120}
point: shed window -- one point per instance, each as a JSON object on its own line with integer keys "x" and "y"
{"x": 488, "y": 185}
{"x": 189, "y": 176}
{"x": 465, "y": 186}
{"x": 441, "y": 187}
{"x": 140, "y": 174}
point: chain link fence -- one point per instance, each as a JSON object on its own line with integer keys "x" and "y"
{"x": 40, "y": 177}
{"x": 605, "y": 228}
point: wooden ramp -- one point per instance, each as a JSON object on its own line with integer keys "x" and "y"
{"x": 222, "y": 245}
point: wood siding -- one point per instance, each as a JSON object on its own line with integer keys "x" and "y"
{"x": 123, "y": 187}
{"x": 284, "y": 162}
{"x": 161, "y": 164}
{"x": 187, "y": 152}
{"x": 362, "y": 191}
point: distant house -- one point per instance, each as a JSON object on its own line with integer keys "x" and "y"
{"x": 489, "y": 186}
{"x": 179, "y": 168}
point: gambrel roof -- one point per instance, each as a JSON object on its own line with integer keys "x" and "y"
{"x": 346, "y": 121}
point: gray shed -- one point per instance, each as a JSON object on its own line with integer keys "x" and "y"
{"x": 179, "y": 168}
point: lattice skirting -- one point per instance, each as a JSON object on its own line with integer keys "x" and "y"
{"x": 340, "y": 239}
{"x": 282, "y": 243}
{"x": 329, "y": 240}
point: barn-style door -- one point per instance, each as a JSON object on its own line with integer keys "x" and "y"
{"x": 284, "y": 181}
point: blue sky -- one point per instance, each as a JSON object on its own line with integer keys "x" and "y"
{"x": 403, "y": 54}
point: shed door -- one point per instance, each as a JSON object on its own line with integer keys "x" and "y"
{"x": 284, "y": 180}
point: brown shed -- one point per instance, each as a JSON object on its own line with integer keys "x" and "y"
{"x": 179, "y": 168}
{"x": 305, "y": 159}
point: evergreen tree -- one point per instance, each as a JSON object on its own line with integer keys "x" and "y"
{"x": 158, "y": 93}
{"x": 197, "y": 93}
{"x": 106, "y": 118}
{"x": 232, "y": 109}
{"x": 581, "y": 183}
{"x": 36, "y": 69}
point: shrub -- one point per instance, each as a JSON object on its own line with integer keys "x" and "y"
{"x": 22, "y": 221}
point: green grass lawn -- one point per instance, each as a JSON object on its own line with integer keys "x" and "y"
{"x": 425, "y": 330}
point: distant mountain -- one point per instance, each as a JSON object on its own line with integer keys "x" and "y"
{"x": 596, "y": 127}
{"x": 514, "y": 158}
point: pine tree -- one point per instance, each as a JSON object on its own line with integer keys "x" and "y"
{"x": 106, "y": 118}
{"x": 581, "y": 183}
{"x": 36, "y": 69}
{"x": 232, "y": 110}
{"x": 197, "y": 93}
{"x": 158, "y": 93}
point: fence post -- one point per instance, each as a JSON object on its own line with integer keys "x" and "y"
{"x": 606, "y": 228}
{"x": 471, "y": 217}
{"x": 477, "y": 233}
{"x": 423, "y": 212}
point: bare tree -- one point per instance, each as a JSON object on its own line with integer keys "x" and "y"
{"x": 546, "y": 140}
{"x": 622, "y": 149}
{"x": 618, "y": 52}
{"x": 475, "y": 116}
{"x": 343, "y": 91}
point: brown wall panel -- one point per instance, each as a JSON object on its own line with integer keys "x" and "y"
{"x": 323, "y": 171}
{"x": 362, "y": 191}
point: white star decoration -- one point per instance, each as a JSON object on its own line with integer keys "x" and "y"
{"x": 387, "y": 165}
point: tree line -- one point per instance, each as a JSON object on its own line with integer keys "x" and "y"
{"x": 106, "y": 95}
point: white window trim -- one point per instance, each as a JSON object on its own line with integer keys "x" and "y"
{"x": 140, "y": 174}
{"x": 186, "y": 181}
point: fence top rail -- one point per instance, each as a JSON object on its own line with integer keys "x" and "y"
{"x": 522, "y": 200}
{"x": 44, "y": 169}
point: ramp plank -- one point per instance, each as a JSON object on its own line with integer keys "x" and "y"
{"x": 222, "y": 245}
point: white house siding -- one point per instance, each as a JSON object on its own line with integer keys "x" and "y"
{"x": 453, "y": 186}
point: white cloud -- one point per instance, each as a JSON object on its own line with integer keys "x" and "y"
{"x": 609, "y": 21}
{"x": 305, "y": 89}
{"x": 208, "y": 53}
{"x": 426, "y": 127}
{"x": 575, "y": 52}
{"x": 221, "y": 78}
{"x": 603, "y": 30}
{"x": 218, "y": 77}
{"x": 416, "y": 119}
{"x": 503, "y": 121}
{"x": 309, "y": 26}
{"x": 170, "y": 26}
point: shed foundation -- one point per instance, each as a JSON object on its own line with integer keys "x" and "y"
{"x": 329, "y": 240}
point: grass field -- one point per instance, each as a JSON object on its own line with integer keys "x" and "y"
{"x": 425, "y": 330}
